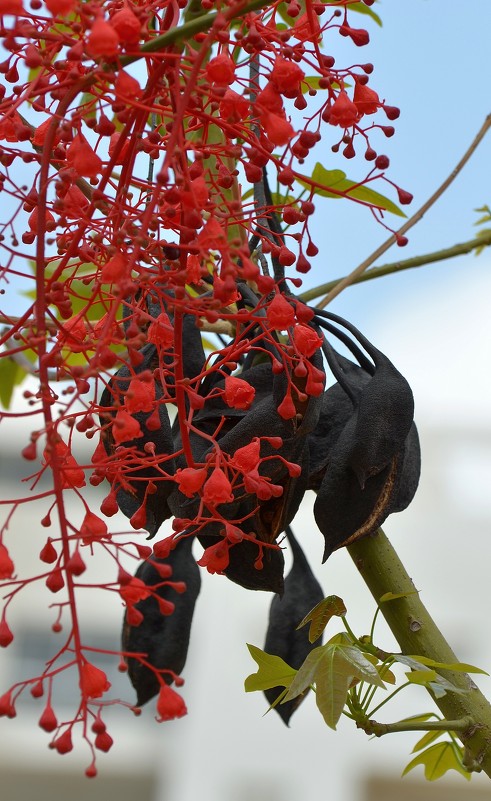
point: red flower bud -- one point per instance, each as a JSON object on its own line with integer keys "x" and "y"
{"x": 6, "y": 636}
{"x": 48, "y": 720}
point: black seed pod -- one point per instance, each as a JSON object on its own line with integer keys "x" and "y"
{"x": 302, "y": 592}
{"x": 163, "y": 639}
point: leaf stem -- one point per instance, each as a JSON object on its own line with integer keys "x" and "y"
{"x": 349, "y": 279}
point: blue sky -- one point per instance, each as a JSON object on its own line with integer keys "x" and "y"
{"x": 431, "y": 59}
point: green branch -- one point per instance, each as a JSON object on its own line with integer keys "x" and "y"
{"x": 397, "y": 266}
{"x": 379, "y": 729}
{"x": 416, "y": 633}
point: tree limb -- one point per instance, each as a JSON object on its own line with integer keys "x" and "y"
{"x": 416, "y": 633}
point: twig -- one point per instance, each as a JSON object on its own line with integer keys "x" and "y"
{"x": 397, "y": 266}
{"x": 349, "y": 279}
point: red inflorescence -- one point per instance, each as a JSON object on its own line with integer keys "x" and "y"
{"x": 149, "y": 257}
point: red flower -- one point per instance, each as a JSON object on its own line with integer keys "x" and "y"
{"x": 278, "y": 130}
{"x": 170, "y": 705}
{"x": 93, "y": 528}
{"x": 365, "y": 99}
{"x": 216, "y": 557}
{"x": 234, "y": 107}
{"x": 133, "y": 591}
{"x": 247, "y": 457}
{"x": 82, "y": 158}
{"x": 6, "y": 564}
{"x": 140, "y": 396}
{"x": 213, "y": 235}
{"x": 127, "y": 25}
{"x": 217, "y": 489}
{"x": 221, "y": 70}
{"x": 103, "y": 41}
{"x": 343, "y": 112}
{"x": 160, "y": 332}
{"x": 280, "y": 313}
{"x": 93, "y": 681}
{"x": 73, "y": 335}
{"x": 73, "y": 475}
{"x": 269, "y": 100}
{"x": 286, "y": 76}
{"x": 307, "y": 341}
{"x": 238, "y": 393}
{"x": 306, "y": 28}
{"x": 33, "y": 219}
{"x": 116, "y": 268}
{"x": 125, "y": 427}
{"x": 126, "y": 87}
{"x": 74, "y": 203}
{"x": 190, "y": 480}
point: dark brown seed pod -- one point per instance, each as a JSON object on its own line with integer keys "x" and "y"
{"x": 163, "y": 640}
{"x": 302, "y": 592}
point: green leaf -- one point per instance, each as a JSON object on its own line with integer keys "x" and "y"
{"x": 333, "y": 680}
{"x": 335, "y": 184}
{"x": 386, "y": 674}
{"x": 422, "y": 676}
{"x": 361, "y": 8}
{"x": 11, "y": 374}
{"x": 438, "y": 759}
{"x": 457, "y": 667}
{"x": 273, "y": 672}
{"x": 362, "y": 667}
{"x": 332, "y": 668}
{"x": 320, "y": 615}
{"x": 427, "y": 739}
{"x": 306, "y": 673}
